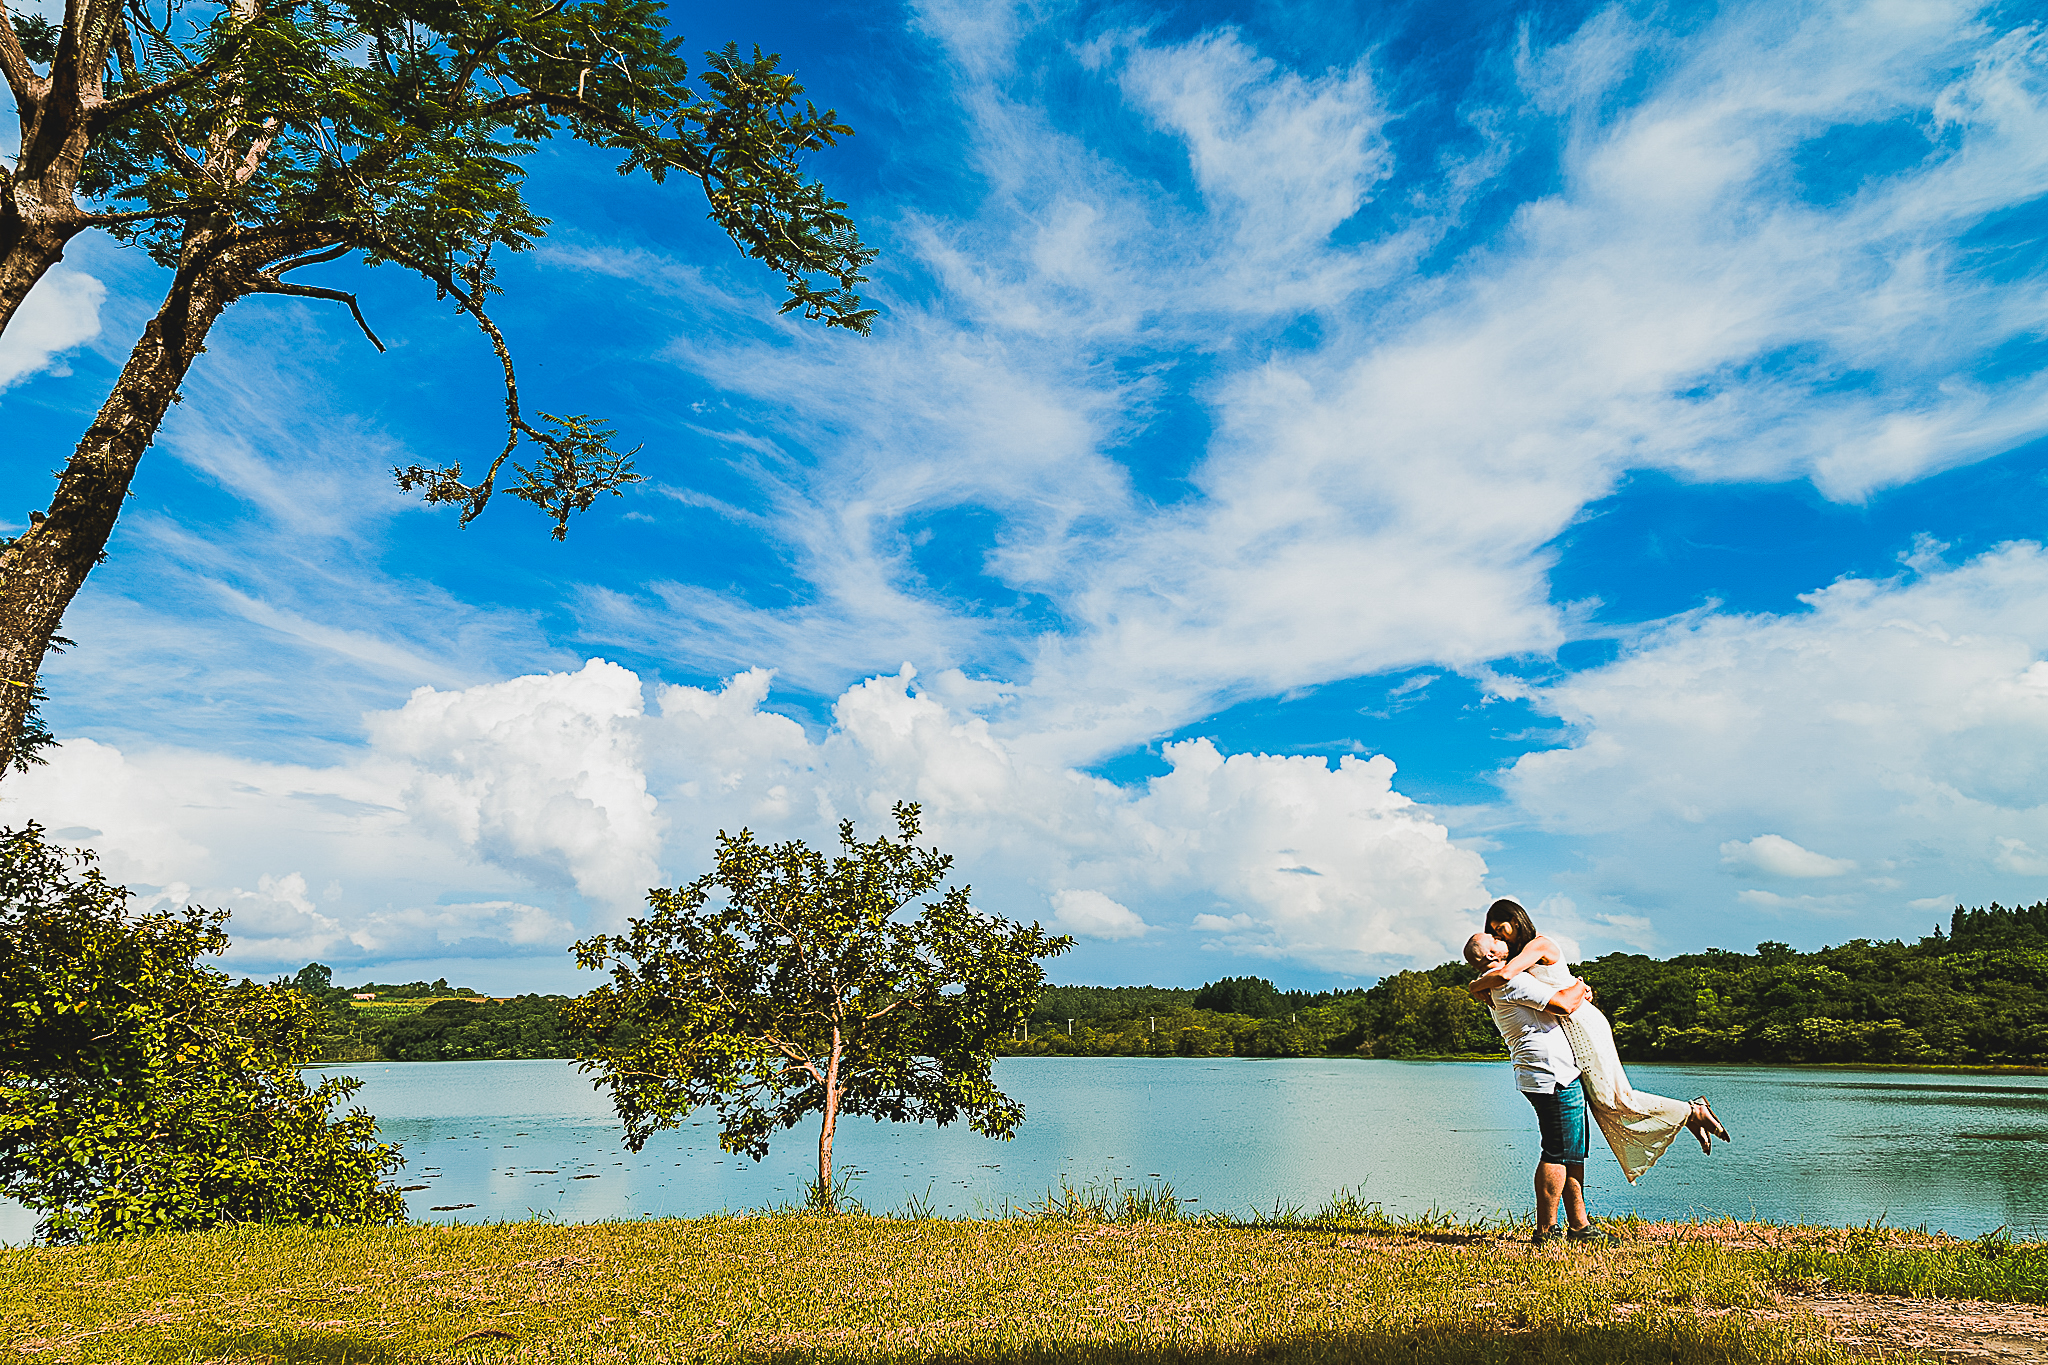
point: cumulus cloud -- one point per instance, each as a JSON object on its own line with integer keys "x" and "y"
{"x": 1900, "y": 724}
{"x": 1773, "y": 855}
{"x": 505, "y": 818}
{"x": 1090, "y": 914}
{"x": 60, "y": 314}
{"x": 540, "y": 775}
{"x": 312, "y": 863}
{"x": 1321, "y": 865}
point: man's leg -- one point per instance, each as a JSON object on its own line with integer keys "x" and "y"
{"x": 1574, "y": 1183}
{"x": 1550, "y": 1184}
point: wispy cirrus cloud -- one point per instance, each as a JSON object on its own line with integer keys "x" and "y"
{"x": 1699, "y": 290}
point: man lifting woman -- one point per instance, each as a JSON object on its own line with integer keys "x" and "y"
{"x": 1565, "y": 1062}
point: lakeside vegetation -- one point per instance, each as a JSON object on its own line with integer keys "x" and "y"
{"x": 1069, "y": 1281}
{"x": 1975, "y": 994}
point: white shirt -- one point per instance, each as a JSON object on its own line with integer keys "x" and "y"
{"x": 1536, "y": 1042}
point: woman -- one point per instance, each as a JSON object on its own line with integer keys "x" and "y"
{"x": 1639, "y": 1126}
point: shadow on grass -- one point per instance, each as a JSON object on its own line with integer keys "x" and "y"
{"x": 335, "y": 1348}
{"x": 1677, "y": 1342}
{"x": 1695, "y": 1343}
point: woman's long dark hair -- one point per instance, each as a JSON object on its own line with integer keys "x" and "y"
{"x": 1509, "y": 916}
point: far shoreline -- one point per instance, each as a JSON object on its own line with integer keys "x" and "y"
{"x": 1930, "y": 1069}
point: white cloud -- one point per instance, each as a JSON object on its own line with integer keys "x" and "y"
{"x": 1090, "y": 914}
{"x": 1900, "y": 724}
{"x": 2015, "y": 855}
{"x": 1776, "y": 856}
{"x": 61, "y": 313}
{"x": 1559, "y": 916}
{"x": 540, "y": 775}
{"x": 341, "y": 871}
{"x": 1283, "y": 160}
{"x": 469, "y": 805}
{"x": 1680, "y": 300}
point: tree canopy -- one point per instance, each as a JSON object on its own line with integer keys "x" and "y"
{"x": 141, "y": 1091}
{"x": 782, "y": 985}
{"x": 240, "y": 142}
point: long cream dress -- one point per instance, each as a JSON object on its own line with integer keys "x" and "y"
{"x": 1639, "y": 1126}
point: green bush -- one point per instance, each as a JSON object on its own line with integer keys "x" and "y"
{"x": 141, "y": 1091}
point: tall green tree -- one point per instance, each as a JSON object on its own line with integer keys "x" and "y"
{"x": 141, "y": 1091}
{"x": 781, "y": 985}
{"x": 240, "y": 142}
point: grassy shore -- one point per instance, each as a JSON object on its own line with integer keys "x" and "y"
{"x": 1065, "y": 1284}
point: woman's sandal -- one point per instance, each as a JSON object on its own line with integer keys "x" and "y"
{"x": 1713, "y": 1120}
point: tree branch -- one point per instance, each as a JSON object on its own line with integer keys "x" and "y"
{"x": 104, "y": 220}
{"x": 803, "y": 1060}
{"x": 445, "y": 485}
{"x": 124, "y": 105}
{"x": 257, "y": 149}
{"x": 332, "y": 253}
{"x": 270, "y": 284}
{"x": 604, "y": 118}
{"x": 21, "y": 77}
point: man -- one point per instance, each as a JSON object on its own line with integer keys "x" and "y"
{"x": 1530, "y": 1017}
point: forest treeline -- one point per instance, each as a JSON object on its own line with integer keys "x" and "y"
{"x": 424, "y": 1021}
{"x": 1975, "y": 994}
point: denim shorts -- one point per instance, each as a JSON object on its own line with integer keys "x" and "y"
{"x": 1561, "y": 1118}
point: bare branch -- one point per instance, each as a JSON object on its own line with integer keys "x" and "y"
{"x": 332, "y": 253}
{"x": 254, "y": 158}
{"x": 140, "y": 14}
{"x": 270, "y": 284}
{"x": 802, "y": 1059}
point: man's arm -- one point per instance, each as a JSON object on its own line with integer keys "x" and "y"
{"x": 1570, "y": 998}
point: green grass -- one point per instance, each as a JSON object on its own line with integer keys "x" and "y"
{"x": 1870, "y": 1261}
{"x": 399, "y": 1009}
{"x": 1102, "y": 1276}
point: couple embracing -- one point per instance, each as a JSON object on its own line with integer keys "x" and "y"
{"x": 1565, "y": 1063}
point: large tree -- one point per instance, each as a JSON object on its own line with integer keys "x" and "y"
{"x": 781, "y": 985}
{"x": 240, "y": 143}
{"x": 142, "y": 1091}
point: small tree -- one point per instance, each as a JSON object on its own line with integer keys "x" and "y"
{"x": 140, "y": 1091}
{"x": 807, "y": 991}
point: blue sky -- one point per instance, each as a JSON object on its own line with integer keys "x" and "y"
{"x": 1323, "y": 466}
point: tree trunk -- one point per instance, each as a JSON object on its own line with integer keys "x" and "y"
{"x": 30, "y": 243}
{"x": 827, "y": 1197}
{"x": 43, "y": 569}
{"x": 39, "y": 211}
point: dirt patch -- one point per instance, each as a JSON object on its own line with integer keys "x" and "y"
{"x": 1951, "y": 1329}
{"x": 1729, "y": 1232}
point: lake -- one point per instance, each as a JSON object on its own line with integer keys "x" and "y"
{"x": 510, "y": 1140}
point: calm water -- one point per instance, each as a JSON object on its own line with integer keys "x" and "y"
{"x": 509, "y": 1140}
